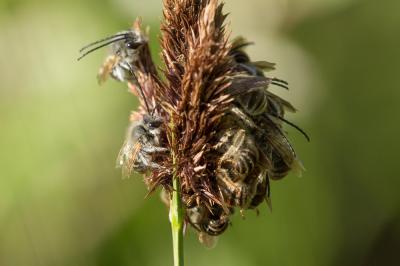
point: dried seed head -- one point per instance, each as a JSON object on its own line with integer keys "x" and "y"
{"x": 198, "y": 71}
{"x": 221, "y": 128}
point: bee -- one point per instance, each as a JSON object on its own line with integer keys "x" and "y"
{"x": 259, "y": 100}
{"x": 244, "y": 64}
{"x": 262, "y": 191}
{"x": 253, "y": 148}
{"x": 239, "y": 165}
{"x": 212, "y": 222}
{"x": 209, "y": 223}
{"x": 278, "y": 148}
{"x": 142, "y": 144}
{"x": 124, "y": 53}
{"x": 260, "y": 104}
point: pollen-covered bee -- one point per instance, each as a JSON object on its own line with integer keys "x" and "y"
{"x": 123, "y": 55}
{"x": 239, "y": 158}
{"x": 240, "y": 165}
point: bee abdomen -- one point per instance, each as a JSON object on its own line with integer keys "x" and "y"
{"x": 241, "y": 157}
{"x": 241, "y": 164}
{"x": 254, "y": 102}
{"x": 262, "y": 191}
{"x": 280, "y": 168}
{"x": 212, "y": 223}
{"x": 216, "y": 227}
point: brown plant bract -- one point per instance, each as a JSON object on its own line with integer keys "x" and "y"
{"x": 195, "y": 51}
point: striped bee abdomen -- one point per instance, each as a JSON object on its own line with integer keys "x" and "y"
{"x": 254, "y": 102}
{"x": 240, "y": 156}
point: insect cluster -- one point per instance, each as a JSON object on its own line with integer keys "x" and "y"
{"x": 216, "y": 115}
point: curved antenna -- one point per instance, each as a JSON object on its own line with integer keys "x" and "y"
{"x": 294, "y": 126}
{"x": 281, "y": 83}
{"x": 100, "y": 46}
{"x": 140, "y": 89}
{"x": 102, "y": 40}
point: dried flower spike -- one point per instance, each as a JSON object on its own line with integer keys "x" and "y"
{"x": 228, "y": 125}
{"x": 210, "y": 133}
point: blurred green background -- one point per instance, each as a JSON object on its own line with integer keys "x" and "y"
{"x": 62, "y": 202}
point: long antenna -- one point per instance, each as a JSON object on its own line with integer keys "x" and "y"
{"x": 102, "y": 40}
{"x": 294, "y": 126}
{"x": 140, "y": 89}
{"x": 100, "y": 46}
{"x": 280, "y": 83}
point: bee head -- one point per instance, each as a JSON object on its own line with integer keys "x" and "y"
{"x": 134, "y": 40}
{"x": 125, "y": 44}
{"x": 125, "y": 40}
{"x": 152, "y": 122}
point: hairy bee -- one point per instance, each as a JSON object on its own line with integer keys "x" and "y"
{"x": 257, "y": 100}
{"x": 141, "y": 145}
{"x": 124, "y": 53}
{"x": 266, "y": 110}
{"x": 240, "y": 164}
{"x": 252, "y": 146}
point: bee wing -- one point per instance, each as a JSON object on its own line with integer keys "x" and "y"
{"x": 264, "y": 65}
{"x": 281, "y": 102}
{"x": 127, "y": 156}
{"x": 282, "y": 147}
{"x": 106, "y": 68}
{"x": 208, "y": 241}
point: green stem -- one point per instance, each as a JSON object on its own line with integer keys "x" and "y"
{"x": 176, "y": 217}
{"x": 176, "y": 213}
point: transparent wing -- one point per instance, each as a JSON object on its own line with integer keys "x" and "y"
{"x": 128, "y": 156}
{"x": 207, "y": 240}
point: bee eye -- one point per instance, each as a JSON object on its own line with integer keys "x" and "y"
{"x": 133, "y": 45}
{"x": 154, "y": 124}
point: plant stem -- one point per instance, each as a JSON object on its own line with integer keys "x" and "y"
{"x": 176, "y": 214}
{"x": 176, "y": 218}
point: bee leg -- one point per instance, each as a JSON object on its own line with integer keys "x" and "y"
{"x": 245, "y": 118}
{"x": 239, "y": 190}
{"x": 155, "y": 166}
{"x": 147, "y": 163}
{"x": 119, "y": 73}
{"x": 153, "y": 149}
